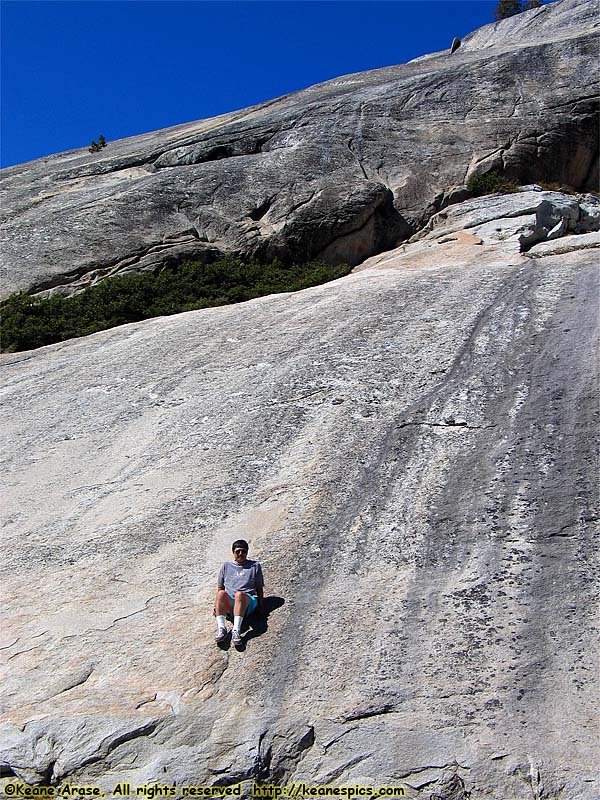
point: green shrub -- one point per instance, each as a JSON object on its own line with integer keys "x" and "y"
{"x": 29, "y": 322}
{"x": 507, "y": 8}
{"x": 489, "y": 183}
{"x": 96, "y": 146}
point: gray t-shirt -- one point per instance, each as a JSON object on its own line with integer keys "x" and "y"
{"x": 246, "y": 577}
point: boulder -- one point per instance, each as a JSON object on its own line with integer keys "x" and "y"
{"x": 559, "y": 216}
{"x": 551, "y": 212}
{"x": 589, "y": 214}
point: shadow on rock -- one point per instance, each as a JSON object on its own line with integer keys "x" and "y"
{"x": 256, "y": 623}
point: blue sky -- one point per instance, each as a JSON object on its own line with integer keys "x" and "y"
{"x": 73, "y": 70}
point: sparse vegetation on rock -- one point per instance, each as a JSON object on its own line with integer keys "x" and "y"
{"x": 29, "y": 322}
{"x": 508, "y": 8}
{"x": 489, "y": 183}
{"x": 96, "y": 146}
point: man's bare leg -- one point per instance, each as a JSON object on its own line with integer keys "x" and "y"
{"x": 223, "y": 603}
{"x": 223, "y": 607}
{"x": 241, "y": 606}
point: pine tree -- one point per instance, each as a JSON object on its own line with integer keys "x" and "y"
{"x": 96, "y": 146}
{"x": 507, "y": 8}
{"x": 529, "y": 4}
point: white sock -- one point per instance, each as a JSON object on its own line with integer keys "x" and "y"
{"x": 237, "y": 623}
{"x": 221, "y": 621}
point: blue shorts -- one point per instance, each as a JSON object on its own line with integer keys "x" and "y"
{"x": 251, "y": 605}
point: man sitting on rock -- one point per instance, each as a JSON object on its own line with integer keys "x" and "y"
{"x": 239, "y": 590}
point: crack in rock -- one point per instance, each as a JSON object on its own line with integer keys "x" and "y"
{"x": 450, "y": 423}
{"x": 77, "y": 680}
{"x": 335, "y": 773}
{"x": 370, "y": 712}
{"x": 333, "y": 741}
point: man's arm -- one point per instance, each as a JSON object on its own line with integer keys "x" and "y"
{"x": 260, "y": 594}
{"x": 220, "y": 585}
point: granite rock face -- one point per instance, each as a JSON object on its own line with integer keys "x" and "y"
{"x": 412, "y": 453}
{"x": 340, "y": 171}
{"x": 410, "y": 450}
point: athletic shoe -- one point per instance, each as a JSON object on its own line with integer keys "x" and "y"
{"x": 236, "y": 637}
{"x": 221, "y": 634}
